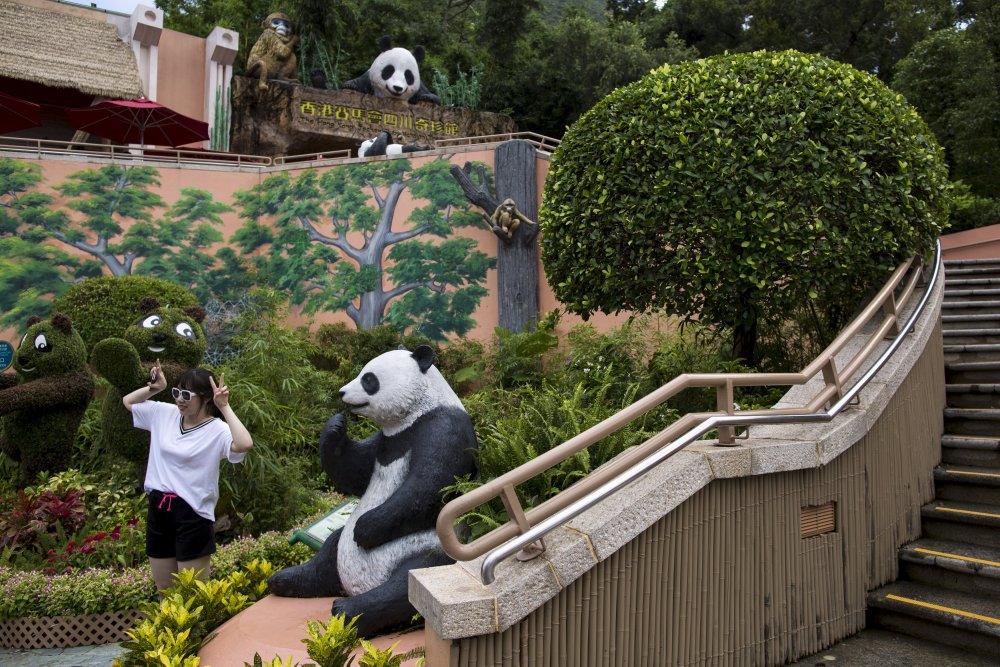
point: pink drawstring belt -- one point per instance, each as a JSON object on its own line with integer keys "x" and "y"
{"x": 168, "y": 497}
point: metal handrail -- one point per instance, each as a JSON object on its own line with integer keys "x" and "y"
{"x": 526, "y": 528}
{"x": 541, "y": 142}
{"x": 341, "y": 154}
{"x": 118, "y": 152}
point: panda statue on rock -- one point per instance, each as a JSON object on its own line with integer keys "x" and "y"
{"x": 426, "y": 441}
{"x": 394, "y": 73}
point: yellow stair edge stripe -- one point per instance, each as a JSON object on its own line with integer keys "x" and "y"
{"x": 959, "y": 612}
{"x": 971, "y": 512}
{"x": 957, "y": 556}
{"x": 967, "y": 472}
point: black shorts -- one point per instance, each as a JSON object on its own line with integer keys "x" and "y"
{"x": 174, "y": 530}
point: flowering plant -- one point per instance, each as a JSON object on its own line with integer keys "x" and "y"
{"x": 35, "y": 516}
{"x": 121, "y": 547}
{"x": 34, "y": 593}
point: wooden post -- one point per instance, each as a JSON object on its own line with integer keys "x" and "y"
{"x": 517, "y": 259}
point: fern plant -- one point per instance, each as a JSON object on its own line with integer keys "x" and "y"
{"x": 544, "y": 419}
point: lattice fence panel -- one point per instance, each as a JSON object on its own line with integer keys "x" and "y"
{"x": 67, "y": 631}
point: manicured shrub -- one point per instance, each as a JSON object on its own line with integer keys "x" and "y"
{"x": 105, "y": 306}
{"x": 733, "y": 188}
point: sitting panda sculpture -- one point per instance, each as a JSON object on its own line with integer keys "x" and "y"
{"x": 426, "y": 440}
{"x": 394, "y": 73}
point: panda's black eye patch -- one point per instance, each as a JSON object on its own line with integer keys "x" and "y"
{"x": 409, "y": 78}
{"x": 369, "y": 383}
{"x": 388, "y": 71}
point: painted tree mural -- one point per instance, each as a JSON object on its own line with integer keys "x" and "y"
{"x": 31, "y": 271}
{"x": 330, "y": 242}
{"x": 115, "y": 229}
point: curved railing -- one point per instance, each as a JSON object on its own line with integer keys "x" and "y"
{"x": 523, "y": 532}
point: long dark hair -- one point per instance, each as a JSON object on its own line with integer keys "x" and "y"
{"x": 197, "y": 380}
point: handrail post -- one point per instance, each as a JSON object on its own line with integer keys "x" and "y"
{"x": 516, "y": 512}
{"x": 890, "y": 311}
{"x": 832, "y": 379}
{"x": 724, "y": 402}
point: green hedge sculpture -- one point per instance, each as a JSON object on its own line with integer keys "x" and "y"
{"x": 105, "y": 306}
{"x": 737, "y": 189}
{"x": 43, "y": 403}
{"x": 172, "y": 335}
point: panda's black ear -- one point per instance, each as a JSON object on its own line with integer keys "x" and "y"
{"x": 424, "y": 356}
{"x": 384, "y": 43}
{"x": 418, "y": 54}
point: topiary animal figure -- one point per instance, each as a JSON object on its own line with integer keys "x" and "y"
{"x": 172, "y": 335}
{"x": 43, "y": 403}
{"x": 104, "y": 306}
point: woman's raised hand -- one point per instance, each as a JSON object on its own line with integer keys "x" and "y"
{"x": 157, "y": 380}
{"x": 220, "y": 392}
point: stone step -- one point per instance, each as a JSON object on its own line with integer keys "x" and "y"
{"x": 976, "y": 294}
{"x": 955, "y": 521}
{"x": 964, "y": 450}
{"x": 973, "y": 282}
{"x": 961, "y": 321}
{"x": 972, "y": 421}
{"x": 971, "y": 352}
{"x": 953, "y": 565}
{"x": 967, "y": 484}
{"x": 951, "y": 617}
{"x": 972, "y": 372}
{"x": 969, "y": 307}
{"x": 973, "y": 395}
{"x": 979, "y": 336}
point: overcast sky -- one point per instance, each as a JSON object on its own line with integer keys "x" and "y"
{"x": 123, "y": 6}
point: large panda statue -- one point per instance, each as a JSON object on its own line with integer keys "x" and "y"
{"x": 426, "y": 440}
{"x": 394, "y": 73}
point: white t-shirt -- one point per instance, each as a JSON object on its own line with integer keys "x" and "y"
{"x": 185, "y": 461}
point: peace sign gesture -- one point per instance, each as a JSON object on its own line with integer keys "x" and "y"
{"x": 220, "y": 392}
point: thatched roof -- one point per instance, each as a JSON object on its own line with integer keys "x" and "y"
{"x": 66, "y": 51}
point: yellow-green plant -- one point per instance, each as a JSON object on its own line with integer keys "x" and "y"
{"x": 331, "y": 644}
{"x": 174, "y": 628}
{"x": 374, "y": 657}
{"x": 171, "y": 632}
{"x": 275, "y": 662}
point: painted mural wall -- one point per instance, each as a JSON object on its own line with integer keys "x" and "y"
{"x": 362, "y": 243}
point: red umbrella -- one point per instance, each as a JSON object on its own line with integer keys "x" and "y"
{"x": 138, "y": 122}
{"x": 17, "y": 114}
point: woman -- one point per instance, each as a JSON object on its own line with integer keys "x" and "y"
{"x": 187, "y": 442}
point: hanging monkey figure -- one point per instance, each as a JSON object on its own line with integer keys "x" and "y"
{"x": 506, "y": 219}
{"x": 273, "y": 56}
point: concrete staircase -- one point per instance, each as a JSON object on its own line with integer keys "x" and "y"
{"x": 949, "y": 586}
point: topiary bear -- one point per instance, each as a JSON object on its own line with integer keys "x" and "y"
{"x": 172, "y": 335}
{"x": 43, "y": 403}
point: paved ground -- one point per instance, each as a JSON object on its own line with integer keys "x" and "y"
{"x": 871, "y": 648}
{"x": 82, "y": 656}
{"x": 880, "y": 648}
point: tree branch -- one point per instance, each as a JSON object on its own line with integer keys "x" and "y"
{"x": 477, "y": 194}
{"x": 339, "y": 242}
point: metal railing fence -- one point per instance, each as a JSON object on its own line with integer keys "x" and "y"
{"x": 525, "y": 528}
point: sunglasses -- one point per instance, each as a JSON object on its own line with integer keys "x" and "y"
{"x": 182, "y": 393}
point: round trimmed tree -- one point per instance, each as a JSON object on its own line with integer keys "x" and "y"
{"x": 741, "y": 190}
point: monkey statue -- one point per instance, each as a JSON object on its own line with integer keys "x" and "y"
{"x": 506, "y": 219}
{"x": 273, "y": 56}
